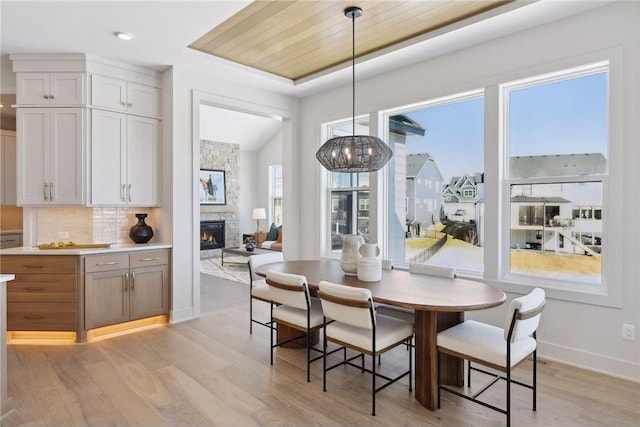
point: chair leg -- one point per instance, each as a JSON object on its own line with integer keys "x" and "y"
{"x": 271, "y": 333}
{"x": 535, "y": 382}
{"x": 508, "y": 396}
{"x": 373, "y": 383}
{"x": 324, "y": 358}
{"x": 250, "y": 314}
{"x": 411, "y": 369}
{"x": 308, "y": 355}
{"x": 468, "y": 373}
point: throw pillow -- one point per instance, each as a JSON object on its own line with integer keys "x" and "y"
{"x": 273, "y": 233}
{"x": 279, "y": 240}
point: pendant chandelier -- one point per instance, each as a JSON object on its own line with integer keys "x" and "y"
{"x": 354, "y": 153}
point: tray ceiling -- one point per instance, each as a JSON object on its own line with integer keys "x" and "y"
{"x": 297, "y": 39}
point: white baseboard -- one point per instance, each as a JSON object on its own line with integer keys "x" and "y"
{"x": 622, "y": 369}
{"x": 178, "y": 316}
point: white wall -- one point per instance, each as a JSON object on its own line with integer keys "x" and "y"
{"x": 583, "y": 334}
{"x": 187, "y": 89}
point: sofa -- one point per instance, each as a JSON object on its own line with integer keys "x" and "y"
{"x": 269, "y": 239}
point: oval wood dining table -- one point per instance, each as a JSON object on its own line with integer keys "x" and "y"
{"x": 439, "y": 303}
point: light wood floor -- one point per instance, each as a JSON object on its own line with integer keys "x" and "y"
{"x": 211, "y": 372}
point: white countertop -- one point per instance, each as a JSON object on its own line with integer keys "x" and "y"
{"x": 121, "y": 247}
{"x": 6, "y": 277}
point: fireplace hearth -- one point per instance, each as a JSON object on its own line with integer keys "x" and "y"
{"x": 211, "y": 235}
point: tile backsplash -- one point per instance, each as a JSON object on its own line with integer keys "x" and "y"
{"x": 89, "y": 225}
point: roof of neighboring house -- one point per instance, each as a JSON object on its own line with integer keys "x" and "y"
{"x": 532, "y": 199}
{"x": 558, "y": 165}
{"x": 415, "y": 163}
{"x": 458, "y": 181}
{"x": 404, "y": 125}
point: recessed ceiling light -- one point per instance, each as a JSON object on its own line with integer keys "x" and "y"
{"x": 123, "y": 36}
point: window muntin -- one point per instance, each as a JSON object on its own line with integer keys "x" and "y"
{"x": 557, "y": 142}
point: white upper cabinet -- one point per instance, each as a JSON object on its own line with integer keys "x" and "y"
{"x": 121, "y": 95}
{"x": 50, "y": 89}
{"x": 50, "y": 156}
{"x": 124, "y": 159}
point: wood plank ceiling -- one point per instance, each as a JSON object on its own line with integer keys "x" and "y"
{"x": 297, "y": 39}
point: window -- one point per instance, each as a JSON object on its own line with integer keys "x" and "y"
{"x": 435, "y": 185}
{"x": 349, "y": 194}
{"x": 275, "y": 194}
{"x": 557, "y": 165}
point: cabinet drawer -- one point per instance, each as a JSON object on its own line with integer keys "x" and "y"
{"x": 42, "y": 287}
{"x": 106, "y": 262}
{"x": 41, "y": 316}
{"x": 39, "y": 264}
{"x": 148, "y": 258}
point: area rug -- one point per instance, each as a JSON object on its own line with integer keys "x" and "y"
{"x": 234, "y": 269}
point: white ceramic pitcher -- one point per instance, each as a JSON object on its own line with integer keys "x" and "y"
{"x": 370, "y": 264}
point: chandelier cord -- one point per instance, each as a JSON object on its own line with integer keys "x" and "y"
{"x": 353, "y": 72}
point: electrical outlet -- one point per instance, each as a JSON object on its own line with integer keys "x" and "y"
{"x": 628, "y": 332}
{"x": 63, "y": 234}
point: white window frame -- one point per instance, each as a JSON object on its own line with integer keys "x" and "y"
{"x": 609, "y": 292}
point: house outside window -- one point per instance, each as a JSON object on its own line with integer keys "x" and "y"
{"x": 556, "y": 129}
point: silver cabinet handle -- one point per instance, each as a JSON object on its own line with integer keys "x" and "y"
{"x": 129, "y": 192}
{"x": 106, "y": 263}
{"x": 133, "y": 279}
{"x": 126, "y": 281}
{"x": 46, "y": 191}
{"x": 122, "y": 197}
{"x": 149, "y": 259}
{"x": 51, "y": 191}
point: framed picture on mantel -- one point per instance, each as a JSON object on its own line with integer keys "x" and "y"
{"x": 212, "y": 187}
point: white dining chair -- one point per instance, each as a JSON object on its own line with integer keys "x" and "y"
{"x": 292, "y": 306}
{"x": 350, "y": 320}
{"x": 500, "y": 349}
{"x": 258, "y": 289}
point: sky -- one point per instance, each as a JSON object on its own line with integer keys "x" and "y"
{"x": 563, "y": 117}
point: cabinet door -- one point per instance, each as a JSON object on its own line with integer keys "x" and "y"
{"x": 32, "y": 88}
{"x": 142, "y": 161}
{"x": 8, "y": 177}
{"x": 149, "y": 292}
{"x": 66, "y": 156}
{"x": 108, "y": 161}
{"x": 32, "y": 161}
{"x": 66, "y": 89}
{"x": 106, "y": 298}
{"x": 143, "y": 100}
{"x": 108, "y": 92}
{"x": 50, "y": 89}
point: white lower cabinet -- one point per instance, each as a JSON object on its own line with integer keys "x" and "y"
{"x": 124, "y": 160}
{"x": 50, "y": 156}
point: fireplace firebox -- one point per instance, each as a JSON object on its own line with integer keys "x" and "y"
{"x": 211, "y": 234}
